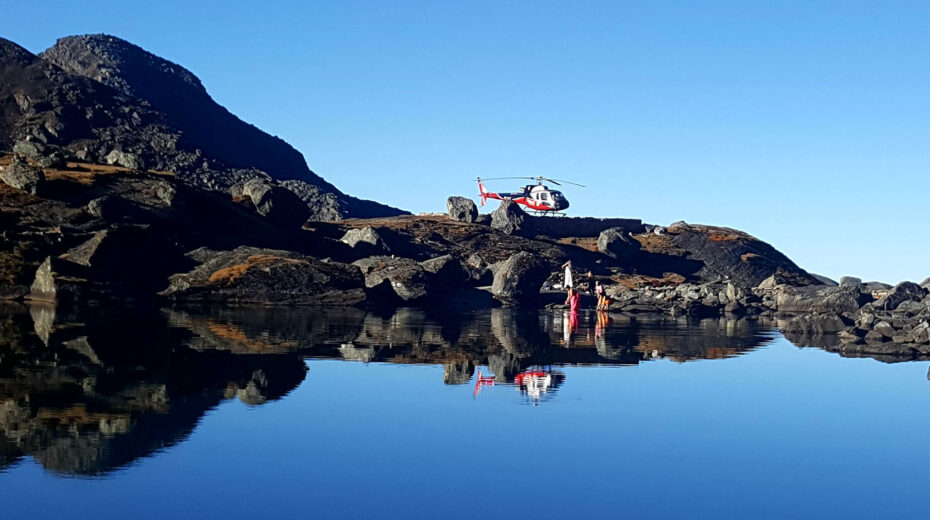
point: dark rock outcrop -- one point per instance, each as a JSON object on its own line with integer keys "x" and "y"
{"x": 462, "y": 209}
{"x": 903, "y": 292}
{"x": 63, "y": 282}
{"x": 253, "y": 275}
{"x": 842, "y": 299}
{"x": 445, "y": 272}
{"x": 403, "y": 277}
{"x": 733, "y": 255}
{"x": 278, "y": 204}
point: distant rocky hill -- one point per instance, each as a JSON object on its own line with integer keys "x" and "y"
{"x": 101, "y": 99}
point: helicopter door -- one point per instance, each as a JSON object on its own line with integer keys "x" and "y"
{"x": 544, "y": 197}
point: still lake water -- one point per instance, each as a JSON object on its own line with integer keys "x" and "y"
{"x": 282, "y": 413}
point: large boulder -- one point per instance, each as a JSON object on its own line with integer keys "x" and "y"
{"x": 786, "y": 278}
{"x": 508, "y": 218}
{"x": 617, "y": 243}
{"x": 266, "y": 276}
{"x": 462, "y": 209}
{"x": 404, "y": 277}
{"x": 850, "y": 280}
{"x": 118, "y": 157}
{"x": 276, "y": 203}
{"x": 366, "y": 238}
{"x": 445, "y": 271}
{"x": 904, "y": 291}
{"x": 518, "y": 279}
{"x": 61, "y": 281}
{"x": 820, "y": 299}
{"x": 23, "y": 176}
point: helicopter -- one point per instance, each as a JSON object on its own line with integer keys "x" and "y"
{"x": 537, "y": 197}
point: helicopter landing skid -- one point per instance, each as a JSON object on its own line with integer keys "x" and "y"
{"x": 540, "y": 213}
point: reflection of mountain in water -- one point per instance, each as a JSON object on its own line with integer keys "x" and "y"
{"x": 85, "y": 394}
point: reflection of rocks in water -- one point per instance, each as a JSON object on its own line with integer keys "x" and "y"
{"x": 457, "y": 372}
{"x": 265, "y": 329}
{"x": 115, "y": 386}
{"x": 719, "y": 338}
{"x": 832, "y": 333}
{"x": 86, "y": 394}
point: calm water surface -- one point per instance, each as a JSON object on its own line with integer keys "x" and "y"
{"x": 277, "y": 413}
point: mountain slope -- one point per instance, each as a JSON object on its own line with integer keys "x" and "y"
{"x": 103, "y": 99}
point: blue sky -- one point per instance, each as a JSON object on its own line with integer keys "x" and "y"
{"x": 803, "y": 123}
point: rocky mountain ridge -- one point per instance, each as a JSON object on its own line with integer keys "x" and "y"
{"x": 100, "y": 99}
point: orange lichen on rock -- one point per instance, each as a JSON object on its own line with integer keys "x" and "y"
{"x": 748, "y": 256}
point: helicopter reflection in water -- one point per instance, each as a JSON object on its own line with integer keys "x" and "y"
{"x": 536, "y": 384}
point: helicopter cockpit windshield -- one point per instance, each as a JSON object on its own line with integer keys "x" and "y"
{"x": 558, "y": 200}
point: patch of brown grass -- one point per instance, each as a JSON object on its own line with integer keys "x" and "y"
{"x": 748, "y": 256}
{"x": 723, "y": 237}
{"x": 585, "y": 243}
{"x": 230, "y": 274}
{"x": 653, "y": 243}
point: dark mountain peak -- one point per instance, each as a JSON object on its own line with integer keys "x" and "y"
{"x": 179, "y": 95}
{"x": 12, "y": 53}
{"x": 98, "y": 98}
{"x": 120, "y": 64}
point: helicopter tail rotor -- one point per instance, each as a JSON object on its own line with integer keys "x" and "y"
{"x": 484, "y": 192}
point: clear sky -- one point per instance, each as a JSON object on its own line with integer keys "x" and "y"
{"x": 803, "y": 123}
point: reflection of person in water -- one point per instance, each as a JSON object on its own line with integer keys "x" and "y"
{"x": 602, "y": 320}
{"x": 569, "y": 327}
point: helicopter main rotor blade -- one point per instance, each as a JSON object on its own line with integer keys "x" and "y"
{"x": 566, "y": 182}
{"x": 502, "y": 178}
